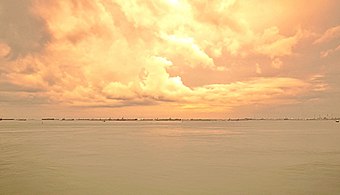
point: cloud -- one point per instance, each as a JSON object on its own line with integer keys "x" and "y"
{"x": 4, "y": 50}
{"x": 273, "y": 44}
{"x": 21, "y": 30}
{"x": 102, "y": 53}
{"x": 258, "y": 68}
{"x": 329, "y": 35}
{"x": 188, "y": 50}
{"x": 328, "y": 52}
{"x": 277, "y": 63}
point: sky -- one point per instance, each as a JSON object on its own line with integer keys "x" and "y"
{"x": 169, "y": 58}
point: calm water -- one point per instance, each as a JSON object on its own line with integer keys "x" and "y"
{"x": 250, "y": 157}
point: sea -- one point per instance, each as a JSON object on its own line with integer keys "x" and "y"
{"x": 170, "y": 157}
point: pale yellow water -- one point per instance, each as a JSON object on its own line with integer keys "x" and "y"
{"x": 249, "y": 157}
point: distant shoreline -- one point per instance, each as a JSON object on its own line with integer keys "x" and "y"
{"x": 168, "y": 119}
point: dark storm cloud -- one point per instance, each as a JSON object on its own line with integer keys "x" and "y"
{"x": 21, "y": 29}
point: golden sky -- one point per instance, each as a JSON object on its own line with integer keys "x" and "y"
{"x": 169, "y": 58}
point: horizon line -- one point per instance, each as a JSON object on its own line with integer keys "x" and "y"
{"x": 163, "y": 118}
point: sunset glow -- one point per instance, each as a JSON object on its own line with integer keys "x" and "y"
{"x": 169, "y": 58}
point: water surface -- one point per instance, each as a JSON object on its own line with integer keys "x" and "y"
{"x": 244, "y": 157}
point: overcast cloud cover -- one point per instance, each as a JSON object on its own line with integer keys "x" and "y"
{"x": 169, "y": 58}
